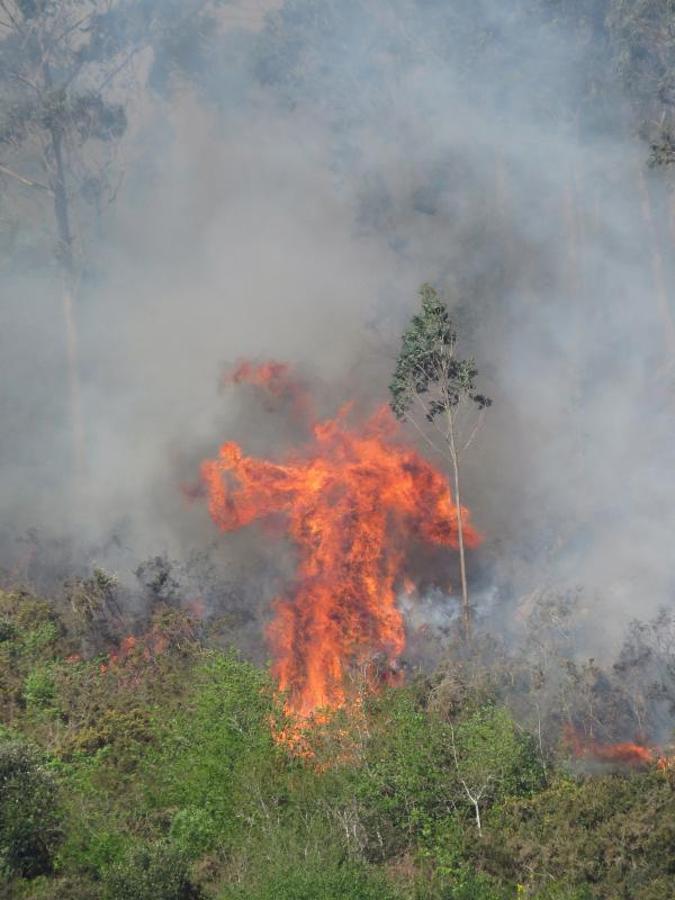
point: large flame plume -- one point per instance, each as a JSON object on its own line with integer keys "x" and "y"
{"x": 352, "y": 500}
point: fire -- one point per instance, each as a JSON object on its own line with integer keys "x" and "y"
{"x": 352, "y": 499}
{"x": 627, "y": 753}
{"x": 276, "y": 380}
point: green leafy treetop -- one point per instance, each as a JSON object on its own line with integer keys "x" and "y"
{"x": 427, "y": 360}
{"x": 432, "y": 386}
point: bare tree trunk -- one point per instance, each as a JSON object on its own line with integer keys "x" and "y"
{"x": 69, "y": 273}
{"x": 466, "y": 607}
{"x": 657, "y": 266}
{"x": 479, "y": 825}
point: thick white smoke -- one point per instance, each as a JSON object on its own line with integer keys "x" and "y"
{"x": 288, "y": 207}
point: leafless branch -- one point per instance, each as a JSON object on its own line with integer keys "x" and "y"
{"x": 5, "y": 7}
{"x": 28, "y": 182}
{"x": 474, "y": 431}
{"x": 422, "y": 433}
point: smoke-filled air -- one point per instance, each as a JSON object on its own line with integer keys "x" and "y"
{"x": 337, "y": 428}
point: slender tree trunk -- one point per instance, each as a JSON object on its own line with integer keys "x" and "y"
{"x": 660, "y": 288}
{"x": 69, "y": 286}
{"x": 479, "y": 824}
{"x": 466, "y": 607}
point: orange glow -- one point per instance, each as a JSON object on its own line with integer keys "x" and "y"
{"x": 277, "y": 381}
{"x": 352, "y": 499}
{"x": 626, "y": 753}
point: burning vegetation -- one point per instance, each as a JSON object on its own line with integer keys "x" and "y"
{"x": 443, "y": 714}
{"x": 177, "y": 767}
{"x": 352, "y": 500}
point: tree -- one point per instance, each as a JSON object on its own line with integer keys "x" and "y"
{"x": 65, "y": 74}
{"x": 493, "y": 759}
{"x": 433, "y": 386}
{"x": 59, "y": 62}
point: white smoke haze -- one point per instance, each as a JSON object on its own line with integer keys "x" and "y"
{"x": 295, "y": 220}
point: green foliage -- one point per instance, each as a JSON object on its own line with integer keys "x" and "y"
{"x": 406, "y": 778}
{"x": 41, "y": 637}
{"x": 212, "y": 749}
{"x": 313, "y": 879}
{"x": 194, "y": 831}
{"x": 428, "y": 359}
{"x": 7, "y": 630}
{"x": 39, "y": 689}
{"x": 612, "y": 832}
{"x": 492, "y": 751}
{"x": 30, "y": 822}
{"x": 152, "y": 872}
{"x": 166, "y": 779}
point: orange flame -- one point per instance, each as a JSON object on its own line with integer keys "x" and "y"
{"x": 275, "y": 379}
{"x": 628, "y": 753}
{"x": 351, "y": 499}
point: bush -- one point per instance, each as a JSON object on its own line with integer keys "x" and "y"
{"x": 158, "y": 871}
{"x": 39, "y": 689}
{"x": 216, "y": 749}
{"x": 406, "y": 778}
{"x": 315, "y": 881}
{"x": 613, "y": 832}
{"x": 30, "y": 822}
{"x": 193, "y": 831}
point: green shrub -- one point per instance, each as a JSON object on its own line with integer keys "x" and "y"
{"x": 317, "y": 881}
{"x": 193, "y": 831}
{"x": 494, "y": 756}
{"x": 406, "y": 775}
{"x": 7, "y": 630}
{"x": 40, "y": 637}
{"x": 156, "y": 871}
{"x": 30, "y": 821}
{"x": 39, "y": 689}
{"x": 613, "y": 832}
{"x": 213, "y": 752}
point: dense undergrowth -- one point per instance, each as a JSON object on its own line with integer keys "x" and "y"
{"x": 152, "y": 772}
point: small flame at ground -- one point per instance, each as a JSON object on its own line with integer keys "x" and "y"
{"x": 627, "y": 753}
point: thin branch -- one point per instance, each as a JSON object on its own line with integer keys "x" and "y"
{"x": 115, "y": 72}
{"x": 26, "y": 81}
{"x": 73, "y": 27}
{"x": 474, "y": 432}
{"x": 423, "y": 434}
{"x": 26, "y": 181}
{"x": 8, "y": 13}
{"x": 426, "y": 413}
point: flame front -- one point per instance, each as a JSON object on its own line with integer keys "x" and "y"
{"x": 628, "y": 753}
{"x": 352, "y": 500}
